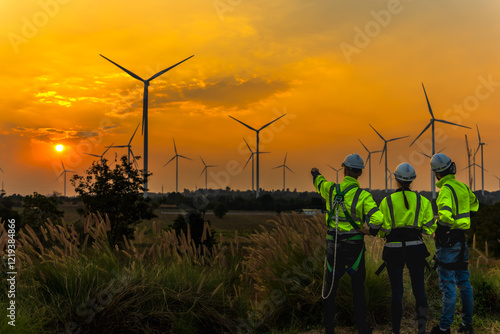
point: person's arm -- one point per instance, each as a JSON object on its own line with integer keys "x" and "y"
{"x": 374, "y": 216}
{"x": 321, "y": 185}
{"x": 444, "y": 204}
{"x": 474, "y": 203}
{"x": 426, "y": 217}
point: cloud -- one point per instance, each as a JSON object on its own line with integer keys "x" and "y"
{"x": 53, "y": 134}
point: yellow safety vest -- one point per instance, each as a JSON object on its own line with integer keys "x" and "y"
{"x": 418, "y": 216}
{"x": 455, "y": 203}
{"x": 359, "y": 203}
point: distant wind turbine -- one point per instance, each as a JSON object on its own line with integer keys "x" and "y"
{"x": 384, "y": 150}
{"x": 251, "y": 157}
{"x": 129, "y": 147}
{"x": 369, "y": 161}
{"x": 389, "y": 177}
{"x": 64, "y": 173}
{"x": 101, "y": 157}
{"x": 284, "y": 166}
{"x": 257, "y": 131}
{"x": 176, "y": 157}
{"x": 481, "y": 144}
{"x": 469, "y": 154}
{"x": 206, "y": 171}
{"x": 431, "y": 124}
{"x": 145, "y": 112}
{"x": 498, "y": 178}
{"x": 337, "y": 171}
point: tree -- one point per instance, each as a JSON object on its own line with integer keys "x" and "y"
{"x": 118, "y": 193}
{"x": 38, "y": 208}
{"x": 220, "y": 209}
{"x": 6, "y": 211}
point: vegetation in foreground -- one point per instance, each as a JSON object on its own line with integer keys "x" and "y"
{"x": 164, "y": 282}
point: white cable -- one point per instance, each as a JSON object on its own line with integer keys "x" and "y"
{"x": 334, "y": 258}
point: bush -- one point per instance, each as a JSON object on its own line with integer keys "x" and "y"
{"x": 220, "y": 210}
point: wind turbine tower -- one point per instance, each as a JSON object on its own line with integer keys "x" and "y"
{"x": 469, "y": 154}
{"x": 431, "y": 124}
{"x": 369, "y": 161}
{"x": 145, "y": 111}
{"x": 257, "y": 131}
{"x": 253, "y": 164}
{"x": 384, "y": 150}
{"x": 63, "y": 173}
{"x": 206, "y": 171}
{"x": 481, "y": 144}
{"x": 284, "y": 166}
{"x": 176, "y": 157}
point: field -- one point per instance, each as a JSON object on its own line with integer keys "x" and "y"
{"x": 263, "y": 276}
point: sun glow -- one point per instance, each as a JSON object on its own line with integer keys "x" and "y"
{"x": 59, "y": 148}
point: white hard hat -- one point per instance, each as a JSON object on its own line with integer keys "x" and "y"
{"x": 440, "y": 162}
{"x": 405, "y": 172}
{"x": 354, "y": 161}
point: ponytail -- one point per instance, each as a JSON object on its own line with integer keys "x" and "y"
{"x": 405, "y": 186}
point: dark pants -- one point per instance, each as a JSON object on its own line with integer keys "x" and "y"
{"x": 414, "y": 257}
{"x": 347, "y": 253}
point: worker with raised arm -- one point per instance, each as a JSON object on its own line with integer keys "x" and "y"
{"x": 348, "y": 208}
{"x": 456, "y": 203}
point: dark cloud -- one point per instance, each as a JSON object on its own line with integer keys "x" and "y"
{"x": 229, "y": 92}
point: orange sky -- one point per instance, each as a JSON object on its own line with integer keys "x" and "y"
{"x": 332, "y": 66}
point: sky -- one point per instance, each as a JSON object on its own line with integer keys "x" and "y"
{"x": 333, "y": 67}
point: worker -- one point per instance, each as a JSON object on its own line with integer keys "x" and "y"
{"x": 348, "y": 208}
{"x": 407, "y": 215}
{"x": 456, "y": 204}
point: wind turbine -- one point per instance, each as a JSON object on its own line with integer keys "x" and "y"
{"x": 251, "y": 157}
{"x": 389, "y": 177}
{"x": 129, "y": 147}
{"x": 431, "y": 124}
{"x": 284, "y": 166}
{"x": 101, "y": 157}
{"x": 368, "y": 159}
{"x": 257, "y": 152}
{"x": 481, "y": 144}
{"x": 469, "y": 154}
{"x": 336, "y": 170}
{"x": 206, "y": 171}
{"x": 176, "y": 157}
{"x": 493, "y": 175}
{"x": 145, "y": 112}
{"x": 64, "y": 172}
{"x": 385, "y": 150}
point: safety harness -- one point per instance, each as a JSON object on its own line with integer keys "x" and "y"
{"x": 453, "y": 237}
{"x": 337, "y": 202}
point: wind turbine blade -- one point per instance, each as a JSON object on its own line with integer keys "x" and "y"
{"x": 375, "y": 152}
{"x": 284, "y": 162}
{"x": 289, "y": 169}
{"x": 181, "y": 156}
{"x": 363, "y": 145}
{"x": 64, "y": 169}
{"x": 1, "y": 170}
{"x": 478, "y": 135}
{"x": 248, "y": 126}
{"x": 170, "y": 160}
{"x": 428, "y": 156}
{"x": 248, "y": 146}
{"x": 271, "y": 122}
{"x": 278, "y": 166}
{"x": 212, "y": 166}
{"x": 94, "y": 155}
{"x": 428, "y": 104}
{"x": 118, "y": 146}
{"x": 130, "y": 141}
{"x": 203, "y": 171}
{"x": 377, "y": 132}
{"x": 261, "y": 152}
{"x": 175, "y": 147}
{"x": 382, "y": 155}
{"x": 106, "y": 151}
{"x": 168, "y": 69}
{"x": 443, "y": 121}
{"x": 203, "y": 161}
{"x": 251, "y": 155}
{"x": 421, "y": 133}
{"x": 393, "y": 139}
{"x": 133, "y": 75}
{"x": 60, "y": 176}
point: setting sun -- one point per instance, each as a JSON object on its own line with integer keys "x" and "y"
{"x": 59, "y": 148}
